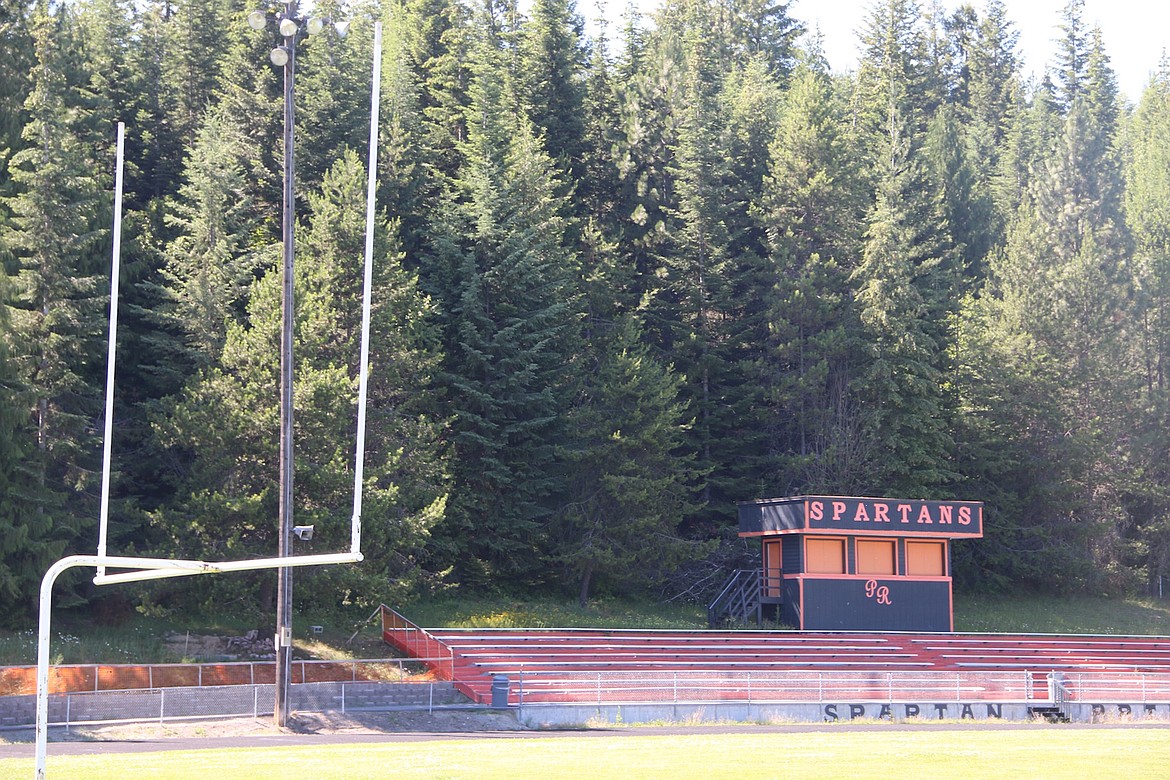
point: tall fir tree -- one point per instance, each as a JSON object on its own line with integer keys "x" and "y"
{"x": 1049, "y": 346}
{"x": 1148, "y": 217}
{"x": 410, "y": 167}
{"x": 906, "y": 282}
{"x": 810, "y": 210}
{"x": 55, "y": 308}
{"x": 687, "y": 313}
{"x": 332, "y": 93}
{"x": 552, "y": 83}
{"x": 220, "y": 433}
{"x": 627, "y": 482}
{"x": 766, "y": 31}
{"x": 512, "y": 334}
{"x": 437, "y": 39}
{"x": 209, "y": 267}
{"x": 28, "y": 544}
{"x": 16, "y": 58}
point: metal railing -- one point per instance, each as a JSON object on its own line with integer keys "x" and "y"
{"x": 162, "y": 705}
{"x": 739, "y": 598}
{"x": 767, "y": 687}
{"x": 606, "y": 688}
{"x": 419, "y": 643}
{"x": 1137, "y": 687}
{"x": 695, "y": 687}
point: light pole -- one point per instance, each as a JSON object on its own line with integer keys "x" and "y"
{"x": 290, "y": 25}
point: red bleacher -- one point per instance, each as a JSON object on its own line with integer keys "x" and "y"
{"x": 472, "y": 657}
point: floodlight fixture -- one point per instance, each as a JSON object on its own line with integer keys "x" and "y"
{"x": 257, "y": 20}
{"x": 288, "y": 27}
{"x": 279, "y": 56}
{"x": 315, "y": 25}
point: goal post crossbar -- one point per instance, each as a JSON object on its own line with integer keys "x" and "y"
{"x": 140, "y": 569}
{"x": 164, "y": 567}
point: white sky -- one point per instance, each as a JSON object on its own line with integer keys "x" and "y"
{"x": 1135, "y": 32}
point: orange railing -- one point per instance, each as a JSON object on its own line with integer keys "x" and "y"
{"x": 418, "y": 643}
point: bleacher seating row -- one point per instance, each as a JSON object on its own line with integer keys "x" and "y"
{"x": 475, "y": 656}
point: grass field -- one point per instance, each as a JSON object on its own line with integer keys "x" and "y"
{"x": 903, "y": 753}
{"x": 1061, "y": 615}
{"x": 81, "y": 639}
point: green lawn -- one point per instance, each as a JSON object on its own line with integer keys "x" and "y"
{"x": 906, "y": 754}
{"x": 81, "y": 639}
{"x": 1061, "y": 614}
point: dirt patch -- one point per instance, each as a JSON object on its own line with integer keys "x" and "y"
{"x": 439, "y": 721}
{"x": 452, "y": 721}
{"x": 210, "y": 647}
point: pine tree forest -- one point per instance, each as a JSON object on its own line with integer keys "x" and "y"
{"x": 622, "y": 281}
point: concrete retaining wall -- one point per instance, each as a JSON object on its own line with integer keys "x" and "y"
{"x": 564, "y": 715}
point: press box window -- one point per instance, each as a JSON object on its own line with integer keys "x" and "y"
{"x": 877, "y": 556}
{"x": 824, "y": 556}
{"x": 926, "y": 559}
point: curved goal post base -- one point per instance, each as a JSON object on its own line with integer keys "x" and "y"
{"x": 138, "y": 569}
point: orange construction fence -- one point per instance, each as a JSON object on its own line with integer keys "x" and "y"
{"x": 19, "y": 680}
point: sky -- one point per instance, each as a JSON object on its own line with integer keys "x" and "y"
{"x": 1136, "y": 32}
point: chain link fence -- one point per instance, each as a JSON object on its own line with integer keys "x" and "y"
{"x": 226, "y": 701}
{"x": 679, "y": 687}
{"x": 596, "y": 688}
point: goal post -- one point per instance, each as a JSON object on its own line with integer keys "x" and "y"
{"x": 133, "y": 569}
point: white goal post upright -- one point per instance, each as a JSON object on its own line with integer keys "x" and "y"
{"x": 140, "y": 569}
{"x": 359, "y": 466}
{"x": 111, "y": 349}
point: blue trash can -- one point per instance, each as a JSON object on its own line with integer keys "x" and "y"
{"x": 500, "y": 692}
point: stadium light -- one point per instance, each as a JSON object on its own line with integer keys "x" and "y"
{"x": 290, "y": 25}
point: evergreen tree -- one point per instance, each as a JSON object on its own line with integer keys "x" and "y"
{"x": 993, "y": 67}
{"x": 512, "y": 335}
{"x": 964, "y": 199}
{"x": 1049, "y": 351}
{"x": 437, "y": 37}
{"x": 16, "y": 58}
{"x": 994, "y": 104}
{"x": 896, "y": 65}
{"x": 192, "y": 32}
{"x": 222, "y": 429}
{"x": 1148, "y": 214}
{"x": 598, "y": 184}
{"x": 55, "y": 307}
{"x": 906, "y": 282}
{"x": 764, "y": 29}
{"x": 111, "y": 89}
{"x": 810, "y": 209}
{"x": 209, "y": 268}
{"x": 627, "y": 485}
{"x": 552, "y": 84}
{"x": 407, "y": 186}
{"x": 27, "y": 543}
{"x": 902, "y": 383}
{"x": 688, "y": 313}
{"x": 250, "y": 94}
{"x": 332, "y": 93}
{"x": 1072, "y": 59}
